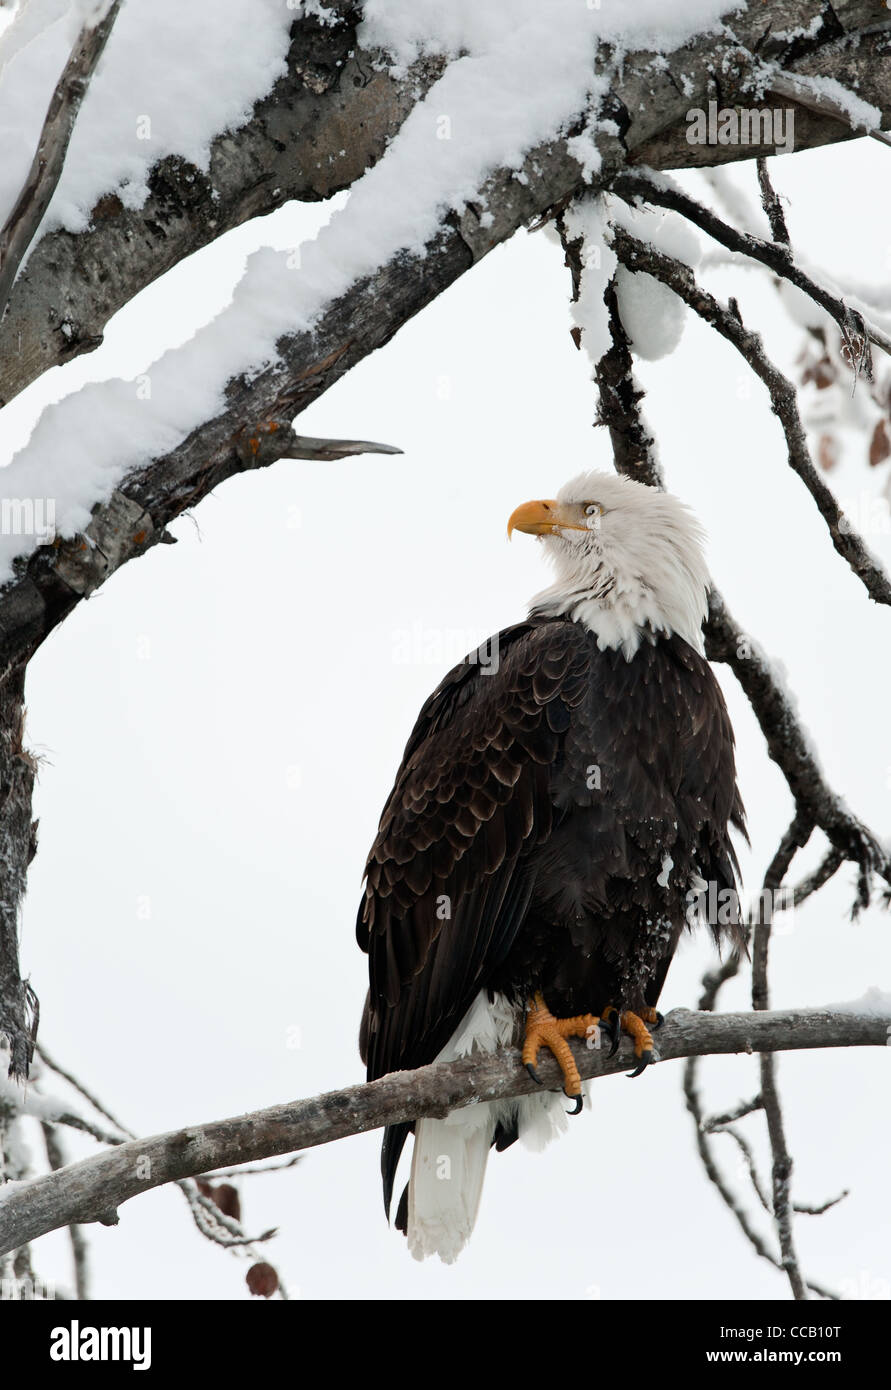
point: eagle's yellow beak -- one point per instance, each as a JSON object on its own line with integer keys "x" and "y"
{"x": 545, "y": 518}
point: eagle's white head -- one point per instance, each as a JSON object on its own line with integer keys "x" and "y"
{"x": 629, "y": 560}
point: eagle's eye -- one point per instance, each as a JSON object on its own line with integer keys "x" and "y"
{"x": 593, "y": 509}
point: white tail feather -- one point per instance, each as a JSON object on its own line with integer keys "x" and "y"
{"x": 449, "y": 1160}
{"x": 447, "y": 1171}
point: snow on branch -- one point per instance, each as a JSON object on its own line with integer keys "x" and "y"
{"x": 93, "y": 1188}
{"x": 406, "y": 233}
{"x": 290, "y": 145}
{"x": 829, "y": 98}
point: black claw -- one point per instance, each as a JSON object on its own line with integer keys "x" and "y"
{"x": 660, "y": 1019}
{"x": 578, "y": 1105}
{"x": 646, "y": 1058}
{"x": 534, "y": 1074}
{"x": 614, "y": 1032}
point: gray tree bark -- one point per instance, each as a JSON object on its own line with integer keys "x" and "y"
{"x": 94, "y": 1188}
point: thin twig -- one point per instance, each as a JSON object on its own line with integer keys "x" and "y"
{"x": 86, "y": 1126}
{"x": 215, "y": 1224}
{"x": 219, "y": 1174}
{"x": 82, "y": 1090}
{"x": 80, "y": 1250}
{"x": 713, "y": 1173}
{"x": 745, "y": 1107}
{"x": 855, "y": 328}
{"x": 49, "y": 158}
{"x": 794, "y": 839}
{"x": 745, "y": 1149}
{"x": 805, "y": 1210}
{"x": 773, "y": 208}
{"x": 829, "y": 865}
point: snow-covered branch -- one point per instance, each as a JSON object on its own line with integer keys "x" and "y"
{"x": 341, "y": 101}
{"x": 93, "y": 1189}
{"x": 326, "y": 120}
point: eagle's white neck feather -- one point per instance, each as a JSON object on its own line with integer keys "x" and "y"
{"x": 639, "y": 570}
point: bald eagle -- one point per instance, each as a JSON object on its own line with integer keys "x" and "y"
{"x": 558, "y": 808}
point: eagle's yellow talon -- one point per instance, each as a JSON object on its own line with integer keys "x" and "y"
{"x": 544, "y": 1030}
{"x": 637, "y": 1030}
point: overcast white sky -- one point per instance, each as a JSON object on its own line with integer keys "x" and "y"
{"x": 220, "y": 727}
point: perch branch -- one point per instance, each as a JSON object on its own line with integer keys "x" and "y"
{"x": 93, "y": 1188}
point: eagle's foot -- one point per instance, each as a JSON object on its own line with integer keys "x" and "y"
{"x": 635, "y": 1025}
{"x": 544, "y": 1030}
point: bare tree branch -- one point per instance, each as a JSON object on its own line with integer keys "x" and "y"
{"x": 803, "y": 1209}
{"x": 304, "y": 446}
{"x": 81, "y": 1089}
{"x": 791, "y": 749}
{"x": 93, "y": 1188}
{"x": 748, "y": 1157}
{"x": 57, "y": 1159}
{"x": 46, "y": 168}
{"x": 781, "y": 1175}
{"x": 776, "y": 255}
{"x": 713, "y": 1172}
{"x": 725, "y": 319}
{"x": 745, "y": 1107}
{"x": 19, "y": 1013}
{"x": 829, "y": 865}
{"x": 213, "y": 1223}
{"x": 773, "y": 208}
